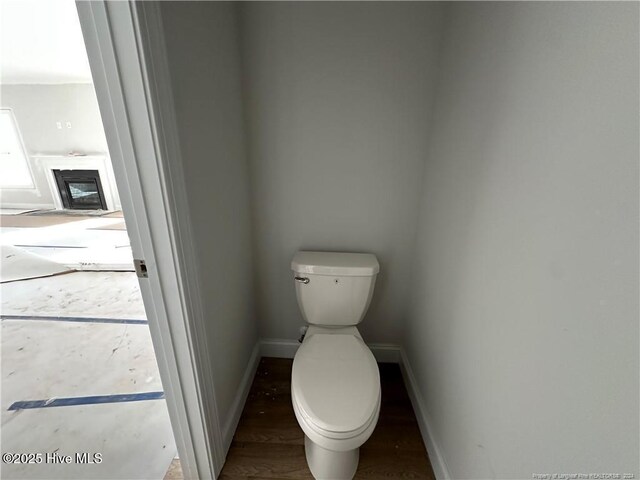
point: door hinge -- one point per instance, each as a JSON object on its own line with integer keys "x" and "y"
{"x": 141, "y": 268}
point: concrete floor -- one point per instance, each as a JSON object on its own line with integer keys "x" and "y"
{"x": 77, "y": 294}
{"x": 45, "y": 359}
{"x": 84, "y": 244}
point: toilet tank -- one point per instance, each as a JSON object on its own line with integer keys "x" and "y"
{"x": 334, "y": 289}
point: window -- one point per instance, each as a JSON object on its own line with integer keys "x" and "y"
{"x": 14, "y": 163}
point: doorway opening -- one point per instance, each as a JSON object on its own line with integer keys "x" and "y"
{"x": 79, "y": 371}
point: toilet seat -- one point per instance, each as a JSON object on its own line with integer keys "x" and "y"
{"x": 335, "y": 386}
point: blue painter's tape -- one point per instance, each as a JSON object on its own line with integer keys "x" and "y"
{"x": 93, "y": 400}
{"x": 130, "y": 321}
{"x": 49, "y": 246}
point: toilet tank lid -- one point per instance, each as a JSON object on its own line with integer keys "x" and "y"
{"x": 335, "y": 263}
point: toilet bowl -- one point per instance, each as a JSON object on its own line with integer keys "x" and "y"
{"x": 335, "y": 382}
{"x": 336, "y": 399}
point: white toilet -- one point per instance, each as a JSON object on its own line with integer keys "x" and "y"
{"x": 335, "y": 383}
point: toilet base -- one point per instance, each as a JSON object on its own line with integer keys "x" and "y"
{"x": 330, "y": 464}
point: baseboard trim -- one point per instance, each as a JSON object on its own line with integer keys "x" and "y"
{"x": 440, "y": 468}
{"x": 28, "y": 206}
{"x": 385, "y": 352}
{"x": 284, "y": 348}
{"x": 278, "y": 347}
{"x": 229, "y": 427}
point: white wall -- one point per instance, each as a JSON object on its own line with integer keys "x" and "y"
{"x": 42, "y": 43}
{"x": 524, "y": 331}
{"x": 203, "y": 55}
{"x": 338, "y": 101}
{"x": 37, "y": 109}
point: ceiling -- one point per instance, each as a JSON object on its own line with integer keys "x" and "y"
{"x": 41, "y": 43}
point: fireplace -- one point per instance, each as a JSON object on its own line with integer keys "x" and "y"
{"x": 80, "y": 189}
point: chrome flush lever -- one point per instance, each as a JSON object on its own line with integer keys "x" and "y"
{"x": 304, "y": 280}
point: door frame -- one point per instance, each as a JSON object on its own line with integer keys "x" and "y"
{"x": 127, "y": 55}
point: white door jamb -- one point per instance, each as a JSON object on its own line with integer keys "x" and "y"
{"x": 128, "y": 62}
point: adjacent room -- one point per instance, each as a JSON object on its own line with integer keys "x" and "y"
{"x": 78, "y": 366}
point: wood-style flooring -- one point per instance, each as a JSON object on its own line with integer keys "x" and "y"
{"x": 269, "y": 444}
